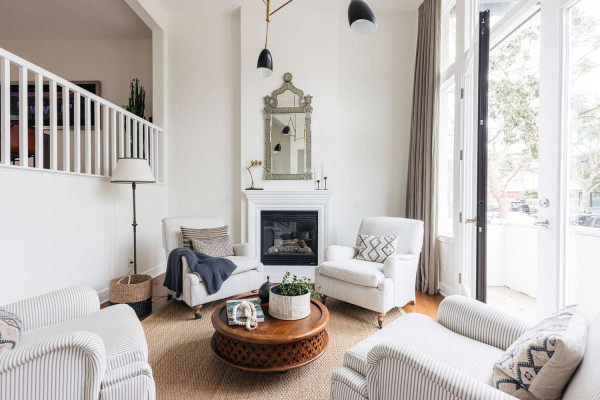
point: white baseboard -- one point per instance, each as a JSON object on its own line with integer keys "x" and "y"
{"x": 446, "y": 290}
{"x": 153, "y": 272}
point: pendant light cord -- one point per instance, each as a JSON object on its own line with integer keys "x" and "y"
{"x": 267, "y": 35}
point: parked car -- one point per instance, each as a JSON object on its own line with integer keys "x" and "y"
{"x": 588, "y": 220}
{"x": 520, "y": 206}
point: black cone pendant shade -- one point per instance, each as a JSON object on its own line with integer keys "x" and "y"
{"x": 277, "y": 148}
{"x": 286, "y": 130}
{"x": 361, "y": 18}
{"x": 265, "y": 63}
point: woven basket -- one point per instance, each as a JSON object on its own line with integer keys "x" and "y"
{"x": 133, "y": 290}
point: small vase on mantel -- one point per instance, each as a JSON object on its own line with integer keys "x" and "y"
{"x": 264, "y": 291}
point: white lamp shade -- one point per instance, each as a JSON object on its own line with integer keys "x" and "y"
{"x": 129, "y": 170}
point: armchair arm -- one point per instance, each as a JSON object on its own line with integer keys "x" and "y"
{"x": 337, "y": 253}
{"x": 480, "y": 322}
{"x": 63, "y": 367}
{"x": 243, "y": 249}
{"x": 402, "y": 270}
{"x": 398, "y": 371}
{"x": 55, "y": 307}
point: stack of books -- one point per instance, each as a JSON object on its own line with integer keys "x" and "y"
{"x": 260, "y": 315}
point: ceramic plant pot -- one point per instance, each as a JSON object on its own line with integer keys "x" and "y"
{"x": 288, "y": 308}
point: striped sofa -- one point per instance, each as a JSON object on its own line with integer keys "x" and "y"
{"x": 70, "y": 349}
{"x": 417, "y": 358}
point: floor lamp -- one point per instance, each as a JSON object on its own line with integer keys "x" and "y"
{"x": 133, "y": 170}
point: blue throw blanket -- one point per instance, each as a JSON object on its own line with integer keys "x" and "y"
{"x": 213, "y": 270}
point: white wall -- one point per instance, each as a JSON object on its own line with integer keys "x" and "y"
{"x": 113, "y": 62}
{"x": 375, "y": 102}
{"x": 58, "y": 230}
{"x": 203, "y": 110}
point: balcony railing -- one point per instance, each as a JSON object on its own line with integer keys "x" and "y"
{"x": 51, "y": 124}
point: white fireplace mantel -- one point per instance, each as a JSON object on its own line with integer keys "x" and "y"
{"x": 305, "y": 200}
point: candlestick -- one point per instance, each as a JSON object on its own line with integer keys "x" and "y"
{"x": 325, "y": 183}
{"x": 318, "y": 184}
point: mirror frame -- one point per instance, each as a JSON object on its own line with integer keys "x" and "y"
{"x": 304, "y": 106}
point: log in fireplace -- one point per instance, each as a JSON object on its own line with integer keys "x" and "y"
{"x": 289, "y": 237}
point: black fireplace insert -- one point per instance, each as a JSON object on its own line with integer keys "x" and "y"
{"x": 289, "y": 237}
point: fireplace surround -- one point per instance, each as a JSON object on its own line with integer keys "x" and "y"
{"x": 319, "y": 201}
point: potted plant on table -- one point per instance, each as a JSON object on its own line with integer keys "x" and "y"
{"x": 291, "y": 300}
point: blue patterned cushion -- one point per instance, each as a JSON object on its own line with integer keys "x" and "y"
{"x": 10, "y": 330}
{"x": 541, "y": 362}
{"x": 376, "y": 248}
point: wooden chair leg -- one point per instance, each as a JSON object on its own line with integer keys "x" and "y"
{"x": 323, "y": 298}
{"x": 380, "y": 319}
{"x": 412, "y": 302}
{"x": 197, "y": 309}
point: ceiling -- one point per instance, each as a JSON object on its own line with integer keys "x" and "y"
{"x": 70, "y": 19}
{"x": 229, "y": 6}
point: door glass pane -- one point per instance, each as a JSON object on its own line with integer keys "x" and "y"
{"x": 513, "y": 171}
{"x": 583, "y": 228}
{"x": 446, "y": 161}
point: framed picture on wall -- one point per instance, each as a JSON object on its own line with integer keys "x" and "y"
{"x": 91, "y": 86}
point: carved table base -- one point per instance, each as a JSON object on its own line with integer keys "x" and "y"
{"x": 269, "y": 357}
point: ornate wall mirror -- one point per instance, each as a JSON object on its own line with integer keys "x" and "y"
{"x": 287, "y": 133}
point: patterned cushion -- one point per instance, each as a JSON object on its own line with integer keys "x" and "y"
{"x": 10, "y": 330}
{"x": 220, "y": 247}
{"x": 375, "y": 248}
{"x": 541, "y": 362}
{"x": 201, "y": 234}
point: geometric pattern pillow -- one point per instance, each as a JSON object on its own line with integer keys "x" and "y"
{"x": 220, "y": 247}
{"x": 540, "y": 363}
{"x": 10, "y": 330}
{"x": 375, "y": 248}
{"x": 188, "y": 234}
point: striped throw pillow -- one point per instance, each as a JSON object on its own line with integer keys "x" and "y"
{"x": 202, "y": 234}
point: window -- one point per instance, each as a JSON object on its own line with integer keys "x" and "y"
{"x": 445, "y": 161}
{"x": 449, "y": 34}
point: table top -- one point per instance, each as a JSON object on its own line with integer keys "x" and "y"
{"x": 273, "y": 330}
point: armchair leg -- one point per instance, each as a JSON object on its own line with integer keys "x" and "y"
{"x": 380, "y": 319}
{"x": 323, "y": 298}
{"x": 196, "y": 310}
{"x": 412, "y": 302}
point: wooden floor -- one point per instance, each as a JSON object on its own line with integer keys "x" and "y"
{"x": 426, "y": 304}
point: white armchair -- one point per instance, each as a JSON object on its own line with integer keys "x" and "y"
{"x": 70, "y": 349}
{"x": 375, "y": 286}
{"x": 418, "y": 358}
{"x": 247, "y": 276}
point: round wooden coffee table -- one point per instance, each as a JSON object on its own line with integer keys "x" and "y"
{"x": 275, "y": 345}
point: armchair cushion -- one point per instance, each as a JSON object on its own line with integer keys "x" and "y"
{"x": 117, "y": 326}
{"x": 10, "y": 330}
{"x": 376, "y": 248}
{"x": 422, "y": 333}
{"x": 357, "y": 272}
{"x": 544, "y": 358}
{"x": 216, "y": 247}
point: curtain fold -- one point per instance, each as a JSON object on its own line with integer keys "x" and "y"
{"x": 420, "y": 192}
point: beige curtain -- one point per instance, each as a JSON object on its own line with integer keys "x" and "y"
{"x": 420, "y": 193}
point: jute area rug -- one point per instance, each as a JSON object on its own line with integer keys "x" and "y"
{"x": 185, "y": 368}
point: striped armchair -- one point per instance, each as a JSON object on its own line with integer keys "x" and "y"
{"x": 70, "y": 349}
{"x": 417, "y": 358}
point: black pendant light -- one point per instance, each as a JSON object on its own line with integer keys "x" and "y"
{"x": 277, "y": 148}
{"x": 286, "y": 130}
{"x": 361, "y": 18}
{"x": 265, "y": 63}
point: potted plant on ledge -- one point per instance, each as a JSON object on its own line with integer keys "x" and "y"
{"x": 291, "y": 300}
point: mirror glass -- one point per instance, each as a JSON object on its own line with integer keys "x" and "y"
{"x": 288, "y": 143}
{"x": 288, "y": 114}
